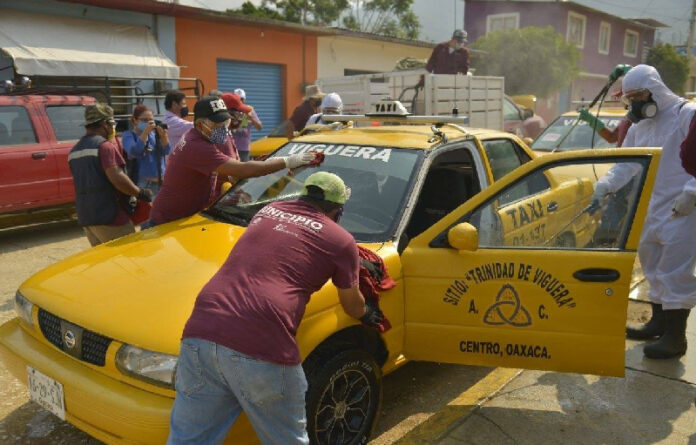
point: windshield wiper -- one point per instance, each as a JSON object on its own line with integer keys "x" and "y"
{"x": 221, "y": 215}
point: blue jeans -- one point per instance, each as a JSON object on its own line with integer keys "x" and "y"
{"x": 215, "y": 384}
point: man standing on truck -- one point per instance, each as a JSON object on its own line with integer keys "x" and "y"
{"x": 97, "y": 167}
{"x": 450, "y": 57}
{"x": 238, "y": 350}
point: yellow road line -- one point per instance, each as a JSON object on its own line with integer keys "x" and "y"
{"x": 456, "y": 411}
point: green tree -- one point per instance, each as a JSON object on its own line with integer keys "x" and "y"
{"x": 533, "y": 60}
{"x": 307, "y": 12}
{"x": 248, "y": 8}
{"x": 672, "y": 66}
{"x": 387, "y": 17}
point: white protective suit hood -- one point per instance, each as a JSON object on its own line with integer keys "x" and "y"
{"x": 647, "y": 77}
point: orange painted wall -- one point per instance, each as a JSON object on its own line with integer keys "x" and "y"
{"x": 199, "y": 44}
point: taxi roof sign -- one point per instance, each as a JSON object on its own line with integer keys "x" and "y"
{"x": 388, "y": 107}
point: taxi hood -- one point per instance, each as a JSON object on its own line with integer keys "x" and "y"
{"x": 140, "y": 289}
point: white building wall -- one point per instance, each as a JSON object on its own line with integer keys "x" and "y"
{"x": 338, "y": 53}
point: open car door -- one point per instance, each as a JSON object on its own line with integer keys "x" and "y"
{"x": 516, "y": 276}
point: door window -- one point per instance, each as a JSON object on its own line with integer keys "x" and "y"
{"x": 563, "y": 214}
{"x": 16, "y": 127}
{"x": 66, "y": 121}
{"x": 450, "y": 182}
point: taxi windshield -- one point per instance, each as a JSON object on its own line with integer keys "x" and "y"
{"x": 564, "y": 135}
{"x": 379, "y": 178}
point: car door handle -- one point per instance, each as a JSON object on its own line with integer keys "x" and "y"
{"x": 597, "y": 275}
{"x": 552, "y": 207}
{"x": 39, "y": 155}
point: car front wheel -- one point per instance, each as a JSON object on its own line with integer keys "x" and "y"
{"x": 344, "y": 395}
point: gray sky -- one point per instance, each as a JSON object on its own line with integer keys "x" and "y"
{"x": 674, "y": 13}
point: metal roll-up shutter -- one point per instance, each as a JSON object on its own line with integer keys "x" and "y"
{"x": 262, "y": 83}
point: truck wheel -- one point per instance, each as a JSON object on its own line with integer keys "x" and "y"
{"x": 344, "y": 395}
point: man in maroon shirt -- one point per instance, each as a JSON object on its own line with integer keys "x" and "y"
{"x": 310, "y": 106}
{"x": 238, "y": 350}
{"x": 193, "y": 165}
{"x": 450, "y": 57}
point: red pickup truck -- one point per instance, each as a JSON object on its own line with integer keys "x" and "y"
{"x": 36, "y": 135}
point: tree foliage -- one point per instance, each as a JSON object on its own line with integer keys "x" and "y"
{"x": 387, "y": 17}
{"x": 307, "y": 12}
{"x": 672, "y": 66}
{"x": 533, "y": 60}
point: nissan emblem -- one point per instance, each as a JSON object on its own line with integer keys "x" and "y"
{"x": 69, "y": 339}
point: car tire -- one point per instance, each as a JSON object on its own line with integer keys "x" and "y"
{"x": 344, "y": 396}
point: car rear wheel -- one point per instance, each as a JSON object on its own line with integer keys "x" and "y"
{"x": 344, "y": 395}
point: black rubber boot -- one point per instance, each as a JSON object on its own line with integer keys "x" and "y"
{"x": 673, "y": 341}
{"x": 652, "y": 329}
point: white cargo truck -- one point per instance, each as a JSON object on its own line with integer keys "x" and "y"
{"x": 480, "y": 98}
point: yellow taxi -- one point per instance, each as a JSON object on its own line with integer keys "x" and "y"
{"x": 568, "y": 133}
{"x": 492, "y": 255}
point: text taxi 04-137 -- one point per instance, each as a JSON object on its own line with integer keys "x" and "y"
{"x": 493, "y": 257}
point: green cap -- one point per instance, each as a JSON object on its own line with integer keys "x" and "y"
{"x": 98, "y": 112}
{"x": 334, "y": 188}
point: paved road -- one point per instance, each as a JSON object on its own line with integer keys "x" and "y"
{"x": 423, "y": 402}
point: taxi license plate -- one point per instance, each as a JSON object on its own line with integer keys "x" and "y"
{"x": 46, "y": 392}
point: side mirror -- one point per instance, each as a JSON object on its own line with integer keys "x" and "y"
{"x": 463, "y": 236}
{"x": 527, "y": 113}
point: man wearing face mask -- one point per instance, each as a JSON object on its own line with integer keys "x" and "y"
{"x": 193, "y": 165}
{"x": 667, "y": 248}
{"x": 177, "y": 109}
{"x": 450, "y": 57}
{"x": 97, "y": 167}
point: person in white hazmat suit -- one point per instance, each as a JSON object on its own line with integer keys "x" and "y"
{"x": 667, "y": 249}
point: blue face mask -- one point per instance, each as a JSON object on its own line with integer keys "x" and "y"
{"x": 218, "y": 135}
{"x": 142, "y": 126}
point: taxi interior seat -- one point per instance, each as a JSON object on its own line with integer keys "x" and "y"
{"x": 446, "y": 187}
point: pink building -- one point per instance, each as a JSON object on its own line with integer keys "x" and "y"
{"x": 605, "y": 40}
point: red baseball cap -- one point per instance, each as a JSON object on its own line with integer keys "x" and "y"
{"x": 234, "y": 102}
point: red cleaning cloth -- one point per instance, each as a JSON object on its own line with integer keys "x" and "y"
{"x": 318, "y": 159}
{"x": 372, "y": 282}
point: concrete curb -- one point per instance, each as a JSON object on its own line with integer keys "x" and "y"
{"x": 458, "y": 410}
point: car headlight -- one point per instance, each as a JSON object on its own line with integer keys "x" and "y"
{"x": 23, "y": 307}
{"x": 153, "y": 367}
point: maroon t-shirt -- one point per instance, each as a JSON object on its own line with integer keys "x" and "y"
{"x": 189, "y": 181}
{"x": 256, "y": 301}
{"x": 687, "y": 151}
{"x": 443, "y": 62}
{"x": 301, "y": 114}
{"x": 110, "y": 156}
